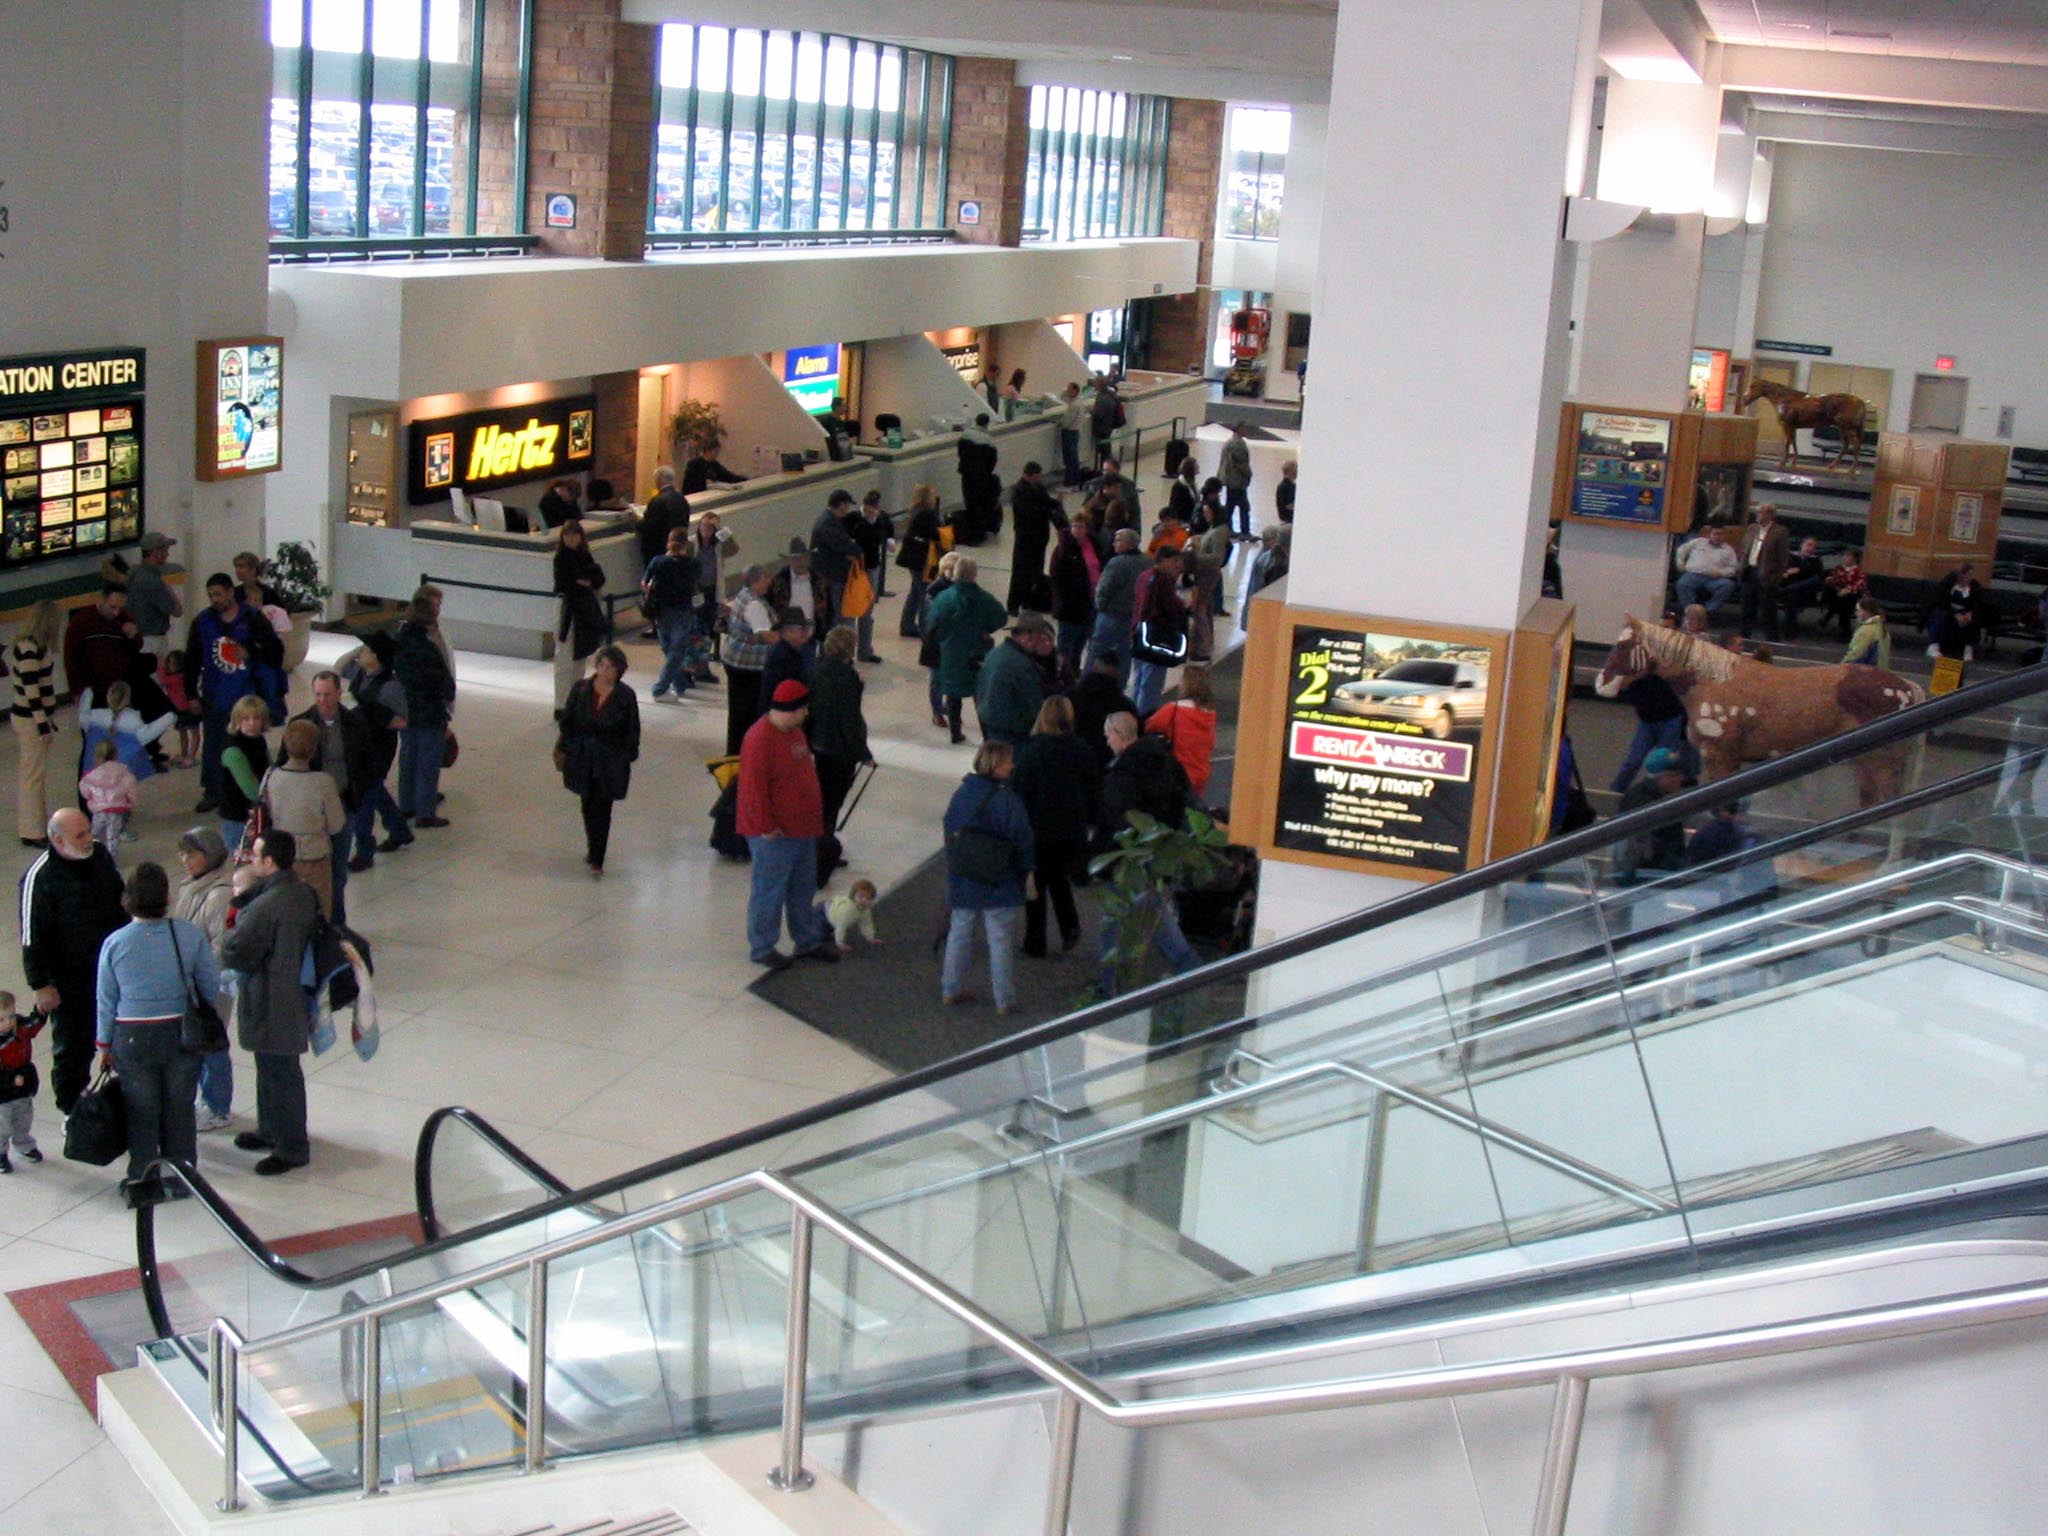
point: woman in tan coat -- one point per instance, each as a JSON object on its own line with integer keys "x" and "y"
{"x": 304, "y": 802}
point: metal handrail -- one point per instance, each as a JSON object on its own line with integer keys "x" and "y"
{"x": 1569, "y": 1373}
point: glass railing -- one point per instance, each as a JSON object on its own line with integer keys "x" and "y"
{"x": 1574, "y": 1055}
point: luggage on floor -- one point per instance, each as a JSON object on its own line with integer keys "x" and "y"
{"x": 1176, "y": 450}
{"x": 725, "y": 811}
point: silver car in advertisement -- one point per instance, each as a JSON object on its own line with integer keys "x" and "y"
{"x": 1440, "y": 696}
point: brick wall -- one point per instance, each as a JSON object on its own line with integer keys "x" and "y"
{"x": 1194, "y": 166}
{"x": 990, "y": 138}
{"x": 618, "y": 430}
{"x": 591, "y": 127}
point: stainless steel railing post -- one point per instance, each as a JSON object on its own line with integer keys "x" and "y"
{"x": 373, "y": 1404}
{"x": 1066, "y": 1436}
{"x": 1375, "y": 1179}
{"x": 224, "y": 1366}
{"x": 1560, "y": 1456}
{"x": 791, "y": 1476}
{"x": 537, "y": 1365}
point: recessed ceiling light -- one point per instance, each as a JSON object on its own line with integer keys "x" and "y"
{"x": 1791, "y": 26}
{"x": 1120, "y": 58}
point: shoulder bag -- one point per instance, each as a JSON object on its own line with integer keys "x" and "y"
{"x": 200, "y": 1030}
{"x": 258, "y": 822}
{"x": 978, "y": 854}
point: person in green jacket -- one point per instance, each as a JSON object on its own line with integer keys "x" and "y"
{"x": 961, "y": 621}
{"x": 1011, "y": 687}
{"x": 1872, "y": 642}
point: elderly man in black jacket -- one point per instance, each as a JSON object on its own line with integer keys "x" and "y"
{"x": 70, "y": 902}
{"x": 274, "y": 922}
{"x": 1143, "y": 776}
{"x": 834, "y": 554}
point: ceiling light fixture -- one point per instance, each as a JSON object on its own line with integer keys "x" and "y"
{"x": 1120, "y": 58}
{"x": 1861, "y": 37}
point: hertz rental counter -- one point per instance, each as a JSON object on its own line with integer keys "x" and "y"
{"x": 500, "y": 586}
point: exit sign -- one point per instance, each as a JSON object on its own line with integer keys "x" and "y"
{"x": 1944, "y": 364}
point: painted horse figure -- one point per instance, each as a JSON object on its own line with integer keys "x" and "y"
{"x": 1739, "y": 710}
{"x": 1845, "y": 413}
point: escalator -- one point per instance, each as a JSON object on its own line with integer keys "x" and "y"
{"x": 1526, "y": 1085}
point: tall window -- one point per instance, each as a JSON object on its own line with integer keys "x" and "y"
{"x": 1258, "y": 172}
{"x": 1096, "y": 165}
{"x": 797, "y": 131}
{"x": 377, "y": 112}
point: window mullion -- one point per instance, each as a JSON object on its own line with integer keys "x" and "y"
{"x": 422, "y": 89}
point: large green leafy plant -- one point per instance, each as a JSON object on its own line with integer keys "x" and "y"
{"x": 1147, "y": 863}
{"x": 295, "y": 572}
{"x": 696, "y": 424}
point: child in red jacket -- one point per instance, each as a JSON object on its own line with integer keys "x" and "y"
{"x": 18, "y": 1082}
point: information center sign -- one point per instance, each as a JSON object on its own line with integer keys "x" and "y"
{"x": 486, "y": 449}
{"x": 1384, "y": 740}
{"x": 70, "y": 454}
{"x": 1623, "y": 467}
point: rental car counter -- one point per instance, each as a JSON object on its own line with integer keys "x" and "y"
{"x": 500, "y": 586}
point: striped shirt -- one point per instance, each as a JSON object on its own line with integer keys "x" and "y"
{"x": 35, "y": 691}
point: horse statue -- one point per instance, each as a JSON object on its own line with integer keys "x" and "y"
{"x": 1740, "y": 710}
{"x": 1845, "y": 413}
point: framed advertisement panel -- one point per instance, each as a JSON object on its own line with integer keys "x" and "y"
{"x": 239, "y": 415}
{"x": 71, "y": 454}
{"x": 1367, "y": 744}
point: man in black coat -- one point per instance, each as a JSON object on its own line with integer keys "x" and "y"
{"x": 70, "y": 902}
{"x": 789, "y": 658}
{"x": 667, "y": 510}
{"x": 1143, "y": 775}
{"x": 834, "y": 553}
{"x": 1098, "y": 695}
{"x": 1037, "y": 513}
{"x": 980, "y": 487}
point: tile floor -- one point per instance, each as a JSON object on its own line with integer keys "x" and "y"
{"x": 598, "y": 1023}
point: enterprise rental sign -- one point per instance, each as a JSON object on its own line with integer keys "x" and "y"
{"x": 1383, "y": 735}
{"x": 487, "y": 449}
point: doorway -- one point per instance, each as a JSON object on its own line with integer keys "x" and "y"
{"x": 1938, "y": 401}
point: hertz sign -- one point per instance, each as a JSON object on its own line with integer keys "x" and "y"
{"x": 508, "y": 446}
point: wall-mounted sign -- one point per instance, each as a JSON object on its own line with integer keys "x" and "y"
{"x": 1965, "y": 518}
{"x": 1707, "y": 379}
{"x": 1384, "y": 738}
{"x": 70, "y": 453}
{"x": 811, "y": 374}
{"x": 486, "y": 449}
{"x": 966, "y": 360}
{"x": 970, "y": 212}
{"x": 561, "y": 211}
{"x": 1623, "y": 466}
{"x": 240, "y": 415}
{"x": 1801, "y": 348}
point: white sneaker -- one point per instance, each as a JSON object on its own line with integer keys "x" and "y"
{"x": 209, "y": 1121}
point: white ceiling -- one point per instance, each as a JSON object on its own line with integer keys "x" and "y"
{"x": 1978, "y": 31}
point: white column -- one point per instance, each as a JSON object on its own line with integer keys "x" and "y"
{"x": 1658, "y": 147}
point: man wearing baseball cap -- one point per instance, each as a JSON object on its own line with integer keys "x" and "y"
{"x": 781, "y": 814}
{"x": 151, "y": 602}
{"x": 1010, "y": 689}
{"x": 1660, "y": 847}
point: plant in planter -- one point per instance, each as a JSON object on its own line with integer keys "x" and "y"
{"x": 1149, "y": 862}
{"x": 696, "y": 425}
{"x": 295, "y": 572}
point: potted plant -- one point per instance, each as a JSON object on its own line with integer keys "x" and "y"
{"x": 1148, "y": 863}
{"x": 295, "y": 572}
{"x": 696, "y": 425}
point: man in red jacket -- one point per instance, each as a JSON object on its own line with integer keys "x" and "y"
{"x": 781, "y": 814}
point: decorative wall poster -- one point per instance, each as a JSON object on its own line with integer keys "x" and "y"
{"x": 1382, "y": 746}
{"x": 1965, "y": 518}
{"x": 1904, "y": 513}
{"x": 70, "y": 426}
{"x": 1623, "y": 462}
{"x": 242, "y": 430}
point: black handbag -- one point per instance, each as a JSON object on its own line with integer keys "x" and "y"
{"x": 96, "y": 1130}
{"x": 977, "y": 854}
{"x": 1162, "y": 644}
{"x": 200, "y": 1029}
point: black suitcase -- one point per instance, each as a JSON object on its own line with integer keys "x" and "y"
{"x": 725, "y": 836}
{"x": 1176, "y": 450}
{"x": 832, "y": 852}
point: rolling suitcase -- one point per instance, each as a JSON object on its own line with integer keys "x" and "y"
{"x": 1169, "y": 461}
{"x": 725, "y": 836}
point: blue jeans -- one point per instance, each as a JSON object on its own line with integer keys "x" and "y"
{"x": 419, "y": 768}
{"x": 217, "y": 1081}
{"x": 231, "y": 834}
{"x": 932, "y": 690}
{"x": 1665, "y": 733}
{"x": 344, "y": 846}
{"x": 1148, "y": 686}
{"x": 1004, "y": 925}
{"x": 1713, "y": 591}
{"x": 157, "y": 1078}
{"x": 363, "y": 821}
{"x": 1168, "y": 943}
{"x": 1111, "y": 636}
{"x": 1070, "y": 456}
{"x": 1073, "y": 641}
{"x": 675, "y": 627}
{"x": 785, "y": 884}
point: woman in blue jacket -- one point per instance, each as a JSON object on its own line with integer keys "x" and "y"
{"x": 989, "y": 855}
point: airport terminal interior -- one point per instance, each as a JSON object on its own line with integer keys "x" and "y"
{"x": 1522, "y": 1009}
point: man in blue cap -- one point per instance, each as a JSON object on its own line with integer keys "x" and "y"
{"x": 1660, "y": 847}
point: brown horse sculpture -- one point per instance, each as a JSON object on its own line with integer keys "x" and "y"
{"x": 1739, "y": 710}
{"x": 1845, "y": 413}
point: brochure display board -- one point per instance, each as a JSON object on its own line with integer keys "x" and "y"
{"x": 240, "y": 407}
{"x": 483, "y": 450}
{"x": 1539, "y": 689}
{"x": 70, "y": 453}
{"x": 1367, "y": 744}
{"x": 1660, "y": 470}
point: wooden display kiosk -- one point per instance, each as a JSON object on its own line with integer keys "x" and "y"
{"x": 1936, "y": 503}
